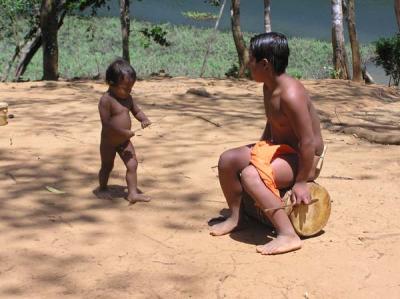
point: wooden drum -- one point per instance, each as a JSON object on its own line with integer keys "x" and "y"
{"x": 307, "y": 220}
{"x": 3, "y": 113}
{"x": 310, "y": 219}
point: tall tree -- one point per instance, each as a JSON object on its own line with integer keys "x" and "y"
{"x": 14, "y": 15}
{"x": 49, "y": 28}
{"x": 32, "y": 43}
{"x": 267, "y": 15}
{"x": 243, "y": 53}
{"x": 355, "y": 47}
{"x": 397, "y": 12}
{"x": 339, "y": 52}
{"x": 212, "y": 39}
{"x": 125, "y": 28}
{"x": 25, "y": 51}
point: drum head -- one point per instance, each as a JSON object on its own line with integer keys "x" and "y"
{"x": 309, "y": 220}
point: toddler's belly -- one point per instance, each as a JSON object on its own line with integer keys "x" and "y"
{"x": 122, "y": 121}
{"x": 119, "y": 121}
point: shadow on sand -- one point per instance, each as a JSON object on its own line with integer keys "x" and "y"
{"x": 113, "y": 192}
{"x": 251, "y": 231}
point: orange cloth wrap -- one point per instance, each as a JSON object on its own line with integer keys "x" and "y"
{"x": 262, "y": 155}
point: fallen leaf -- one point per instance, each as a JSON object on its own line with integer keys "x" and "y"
{"x": 54, "y": 190}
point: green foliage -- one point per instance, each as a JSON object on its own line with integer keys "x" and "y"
{"x": 233, "y": 71}
{"x": 88, "y": 44}
{"x": 155, "y": 33}
{"x": 295, "y": 73}
{"x": 310, "y": 58}
{"x": 73, "y": 5}
{"x": 388, "y": 56}
{"x": 12, "y": 15}
{"x": 333, "y": 73}
{"x": 213, "y": 2}
{"x": 199, "y": 16}
{"x": 17, "y": 7}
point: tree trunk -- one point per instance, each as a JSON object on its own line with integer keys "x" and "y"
{"x": 33, "y": 41}
{"x": 241, "y": 49}
{"x": 267, "y": 15}
{"x": 203, "y": 68}
{"x": 397, "y": 12}
{"x": 339, "y": 51}
{"x": 49, "y": 28}
{"x": 125, "y": 23}
{"x": 7, "y": 69}
{"x": 29, "y": 49}
{"x": 10, "y": 63}
{"x": 355, "y": 48}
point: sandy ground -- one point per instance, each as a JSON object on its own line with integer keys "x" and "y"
{"x": 76, "y": 245}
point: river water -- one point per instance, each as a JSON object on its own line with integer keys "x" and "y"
{"x": 300, "y": 18}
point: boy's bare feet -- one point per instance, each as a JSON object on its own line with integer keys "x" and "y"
{"x": 136, "y": 197}
{"x": 224, "y": 227}
{"x": 281, "y": 244}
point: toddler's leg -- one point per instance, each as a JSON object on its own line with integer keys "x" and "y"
{"x": 287, "y": 239}
{"x": 107, "y": 154}
{"x": 230, "y": 164}
{"x": 127, "y": 154}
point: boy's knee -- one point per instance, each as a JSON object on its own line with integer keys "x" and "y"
{"x": 226, "y": 160}
{"x": 249, "y": 175}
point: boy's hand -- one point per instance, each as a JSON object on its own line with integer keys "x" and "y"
{"x": 301, "y": 193}
{"x": 145, "y": 123}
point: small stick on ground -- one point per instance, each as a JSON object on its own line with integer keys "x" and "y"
{"x": 209, "y": 121}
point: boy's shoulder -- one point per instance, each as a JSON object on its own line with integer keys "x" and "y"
{"x": 293, "y": 90}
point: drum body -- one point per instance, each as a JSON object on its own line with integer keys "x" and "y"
{"x": 307, "y": 220}
{"x": 3, "y": 113}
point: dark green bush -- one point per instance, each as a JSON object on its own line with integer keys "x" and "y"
{"x": 388, "y": 56}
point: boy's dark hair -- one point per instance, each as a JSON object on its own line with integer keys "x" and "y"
{"x": 272, "y": 46}
{"x": 118, "y": 70}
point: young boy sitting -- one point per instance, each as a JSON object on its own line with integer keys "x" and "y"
{"x": 114, "y": 108}
{"x": 287, "y": 153}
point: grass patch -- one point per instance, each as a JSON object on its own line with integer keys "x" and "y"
{"x": 87, "y": 45}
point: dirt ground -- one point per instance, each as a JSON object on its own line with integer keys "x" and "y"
{"x": 76, "y": 245}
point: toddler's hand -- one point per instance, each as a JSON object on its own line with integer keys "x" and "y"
{"x": 145, "y": 123}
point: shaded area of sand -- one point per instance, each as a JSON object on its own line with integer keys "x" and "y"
{"x": 76, "y": 245}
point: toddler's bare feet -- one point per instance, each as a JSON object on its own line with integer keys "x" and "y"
{"x": 224, "y": 227}
{"x": 281, "y": 244}
{"x": 136, "y": 197}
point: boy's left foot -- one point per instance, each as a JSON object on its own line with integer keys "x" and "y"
{"x": 281, "y": 244}
{"x": 136, "y": 197}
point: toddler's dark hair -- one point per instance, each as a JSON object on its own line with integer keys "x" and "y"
{"x": 118, "y": 70}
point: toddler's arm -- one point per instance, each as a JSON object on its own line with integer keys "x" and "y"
{"x": 140, "y": 116}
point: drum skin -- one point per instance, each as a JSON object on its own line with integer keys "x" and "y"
{"x": 309, "y": 220}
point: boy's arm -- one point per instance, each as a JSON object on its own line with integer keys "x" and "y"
{"x": 295, "y": 105}
{"x": 139, "y": 115}
{"x": 266, "y": 135}
{"x": 105, "y": 117}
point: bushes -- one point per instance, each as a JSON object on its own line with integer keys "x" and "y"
{"x": 388, "y": 56}
{"x": 88, "y": 44}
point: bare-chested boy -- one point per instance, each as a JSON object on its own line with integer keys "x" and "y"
{"x": 287, "y": 154}
{"x": 114, "y": 108}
